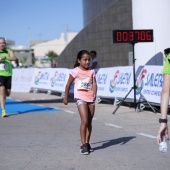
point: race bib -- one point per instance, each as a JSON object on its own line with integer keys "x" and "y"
{"x": 84, "y": 84}
{"x": 3, "y": 66}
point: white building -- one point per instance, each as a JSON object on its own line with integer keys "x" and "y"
{"x": 56, "y": 45}
{"x": 143, "y": 13}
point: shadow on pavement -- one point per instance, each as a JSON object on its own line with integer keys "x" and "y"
{"x": 108, "y": 143}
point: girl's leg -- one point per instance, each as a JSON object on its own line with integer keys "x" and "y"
{"x": 83, "y": 111}
{"x": 165, "y": 95}
{"x": 91, "y": 110}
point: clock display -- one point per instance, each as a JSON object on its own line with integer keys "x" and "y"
{"x": 132, "y": 36}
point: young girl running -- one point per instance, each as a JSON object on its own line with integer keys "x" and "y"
{"x": 85, "y": 90}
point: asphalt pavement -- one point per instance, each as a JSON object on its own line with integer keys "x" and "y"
{"x": 45, "y": 136}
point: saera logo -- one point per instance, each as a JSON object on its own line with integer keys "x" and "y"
{"x": 37, "y": 77}
{"x": 140, "y": 81}
{"x": 58, "y": 77}
{"x": 114, "y": 81}
{"x": 53, "y": 79}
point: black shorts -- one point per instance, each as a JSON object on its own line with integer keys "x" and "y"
{"x": 6, "y": 81}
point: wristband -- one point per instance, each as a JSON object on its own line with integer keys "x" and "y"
{"x": 163, "y": 120}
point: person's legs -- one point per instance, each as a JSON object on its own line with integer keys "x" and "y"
{"x": 83, "y": 111}
{"x": 8, "y": 84}
{"x": 165, "y": 95}
{"x": 5, "y": 90}
{"x": 7, "y": 93}
{"x": 91, "y": 110}
{"x": 2, "y": 97}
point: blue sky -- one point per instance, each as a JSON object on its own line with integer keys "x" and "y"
{"x": 25, "y": 20}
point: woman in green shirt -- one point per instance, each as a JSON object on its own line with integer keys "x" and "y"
{"x": 6, "y": 56}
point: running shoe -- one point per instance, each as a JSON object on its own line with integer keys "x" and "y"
{"x": 84, "y": 149}
{"x": 81, "y": 148}
{"x": 89, "y": 148}
{"x": 4, "y": 113}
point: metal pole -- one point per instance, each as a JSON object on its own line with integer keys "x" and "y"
{"x": 134, "y": 77}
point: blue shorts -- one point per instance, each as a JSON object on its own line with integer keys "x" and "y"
{"x": 79, "y": 101}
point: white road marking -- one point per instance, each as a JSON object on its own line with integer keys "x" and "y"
{"x": 33, "y": 99}
{"x": 147, "y": 135}
{"x": 18, "y": 100}
{"x": 55, "y": 108}
{"x": 113, "y": 125}
{"x": 40, "y": 105}
{"x": 69, "y": 111}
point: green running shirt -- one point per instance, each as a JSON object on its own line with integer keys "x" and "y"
{"x": 5, "y": 65}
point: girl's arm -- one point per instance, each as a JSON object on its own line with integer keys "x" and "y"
{"x": 70, "y": 80}
{"x": 94, "y": 87}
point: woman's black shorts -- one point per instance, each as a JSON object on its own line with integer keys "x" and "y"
{"x": 6, "y": 81}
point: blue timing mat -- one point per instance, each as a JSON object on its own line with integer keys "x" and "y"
{"x": 14, "y": 107}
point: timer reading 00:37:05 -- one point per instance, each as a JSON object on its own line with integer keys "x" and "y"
{"x": 132, "y": 36}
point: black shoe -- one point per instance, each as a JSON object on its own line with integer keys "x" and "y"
{"x": 89, "y": 148}
{"x": 84, "y": 149}
{"x": 81, "y": 148}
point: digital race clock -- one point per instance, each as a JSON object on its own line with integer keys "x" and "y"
{"x": 132, "y": 36}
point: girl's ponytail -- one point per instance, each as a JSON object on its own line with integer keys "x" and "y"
{"x": 76, "y": 64}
